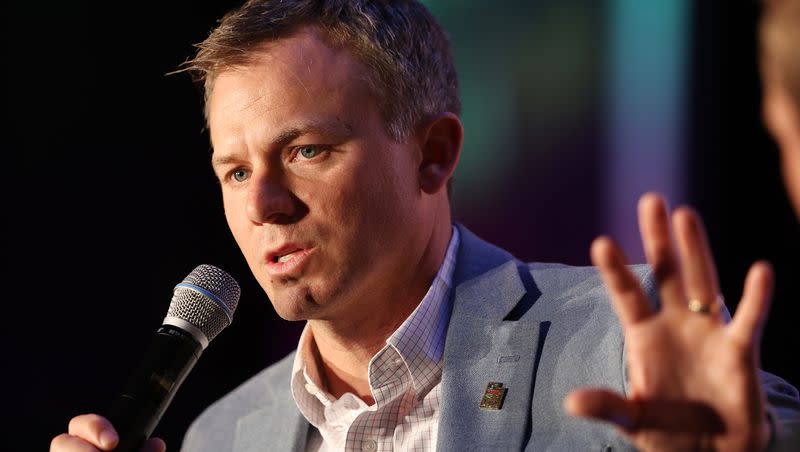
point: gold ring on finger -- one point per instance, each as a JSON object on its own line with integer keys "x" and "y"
{"x": 700, "y": 307}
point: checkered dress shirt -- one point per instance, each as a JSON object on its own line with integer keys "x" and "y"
{"x": 404, "y": 376}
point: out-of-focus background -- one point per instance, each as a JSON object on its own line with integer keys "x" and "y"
{"x": 572, "y": 108}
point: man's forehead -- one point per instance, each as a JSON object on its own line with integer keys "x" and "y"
{"x": 302, "y": 64}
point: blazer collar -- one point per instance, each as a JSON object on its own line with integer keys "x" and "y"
{"x": 486, "y": 342}
{"x": 277, "y": 424}
{"x": 489, "y": 282}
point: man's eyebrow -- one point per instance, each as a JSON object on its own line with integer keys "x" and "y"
{"x": 333, "y": 129}
{"x": 328, "y": 128}
{"x": 217, "y": 160}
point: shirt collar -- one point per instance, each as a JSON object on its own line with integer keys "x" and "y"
{"x": 420, "y": 339}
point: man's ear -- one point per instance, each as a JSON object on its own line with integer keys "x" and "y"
{"x": 440, "y": 143}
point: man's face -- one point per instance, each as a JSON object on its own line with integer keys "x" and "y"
{"x": 325, "y": 206}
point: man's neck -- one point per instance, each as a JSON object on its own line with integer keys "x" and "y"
{"x": 346, "y": 346}
{"x": 344, "y": 359}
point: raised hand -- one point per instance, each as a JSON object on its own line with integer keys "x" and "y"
{"x": 692, "y": 375}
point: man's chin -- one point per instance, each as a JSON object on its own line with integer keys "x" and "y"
{"x": 294, "y": 304}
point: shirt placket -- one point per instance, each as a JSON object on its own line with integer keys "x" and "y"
{"x": 373, "y": 430}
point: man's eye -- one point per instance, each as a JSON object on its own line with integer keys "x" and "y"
{"x": 308, "y": 152}
{"x": 240, "y": 175}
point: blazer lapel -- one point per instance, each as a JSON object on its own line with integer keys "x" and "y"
{"x": 489, "y": 340}
{"x": 277, "y": 427}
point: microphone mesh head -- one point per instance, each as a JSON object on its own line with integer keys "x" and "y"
{"x": 207, "y": 299}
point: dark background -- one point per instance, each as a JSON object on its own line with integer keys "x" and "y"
{"x": 110, "y": 201}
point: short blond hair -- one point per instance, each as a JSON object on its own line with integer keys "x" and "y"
{"x": 779, "y": 36}
{"x": 407, "y": 53}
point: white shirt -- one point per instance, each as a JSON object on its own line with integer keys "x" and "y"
{"x": 404, "y": 377}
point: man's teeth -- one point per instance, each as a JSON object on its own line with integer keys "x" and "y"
{"x": 286, "y": 257}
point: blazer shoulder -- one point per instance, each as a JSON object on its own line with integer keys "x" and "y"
{"x": 216, "y": 425}
{"x": 643, "y": 271}
{"x": 572, "y": 285}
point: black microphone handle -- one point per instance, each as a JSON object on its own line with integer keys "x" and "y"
{"x": 138, "y": 409}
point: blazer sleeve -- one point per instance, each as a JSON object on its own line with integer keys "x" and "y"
{"x": 783, "y": 412}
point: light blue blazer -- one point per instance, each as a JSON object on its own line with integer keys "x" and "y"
{"x": 540, "y": 329}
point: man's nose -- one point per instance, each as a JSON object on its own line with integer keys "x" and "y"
{"x": 269, "y": 200}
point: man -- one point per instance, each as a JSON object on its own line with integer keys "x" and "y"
{"x": 335, "y": 134}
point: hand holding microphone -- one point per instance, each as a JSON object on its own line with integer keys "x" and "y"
{"x": 202, "y": 306}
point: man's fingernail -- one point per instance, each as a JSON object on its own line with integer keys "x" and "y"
{"x": 108, "y": 438}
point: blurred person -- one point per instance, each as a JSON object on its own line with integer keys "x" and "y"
{"x": 335, "y": 133}
{"x": 779, "y": 52}
{"x": 779, "y": 38}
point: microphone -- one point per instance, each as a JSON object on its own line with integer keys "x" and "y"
{"x": 202, "y": 306}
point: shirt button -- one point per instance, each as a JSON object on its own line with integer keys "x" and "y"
{"x": 369, "y": 446}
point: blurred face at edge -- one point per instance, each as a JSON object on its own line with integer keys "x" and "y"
{"x": 780, "y": 72}
{"x": 783, "y": 122}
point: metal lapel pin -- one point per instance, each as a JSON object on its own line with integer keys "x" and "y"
{"x": 493, "y": 396}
